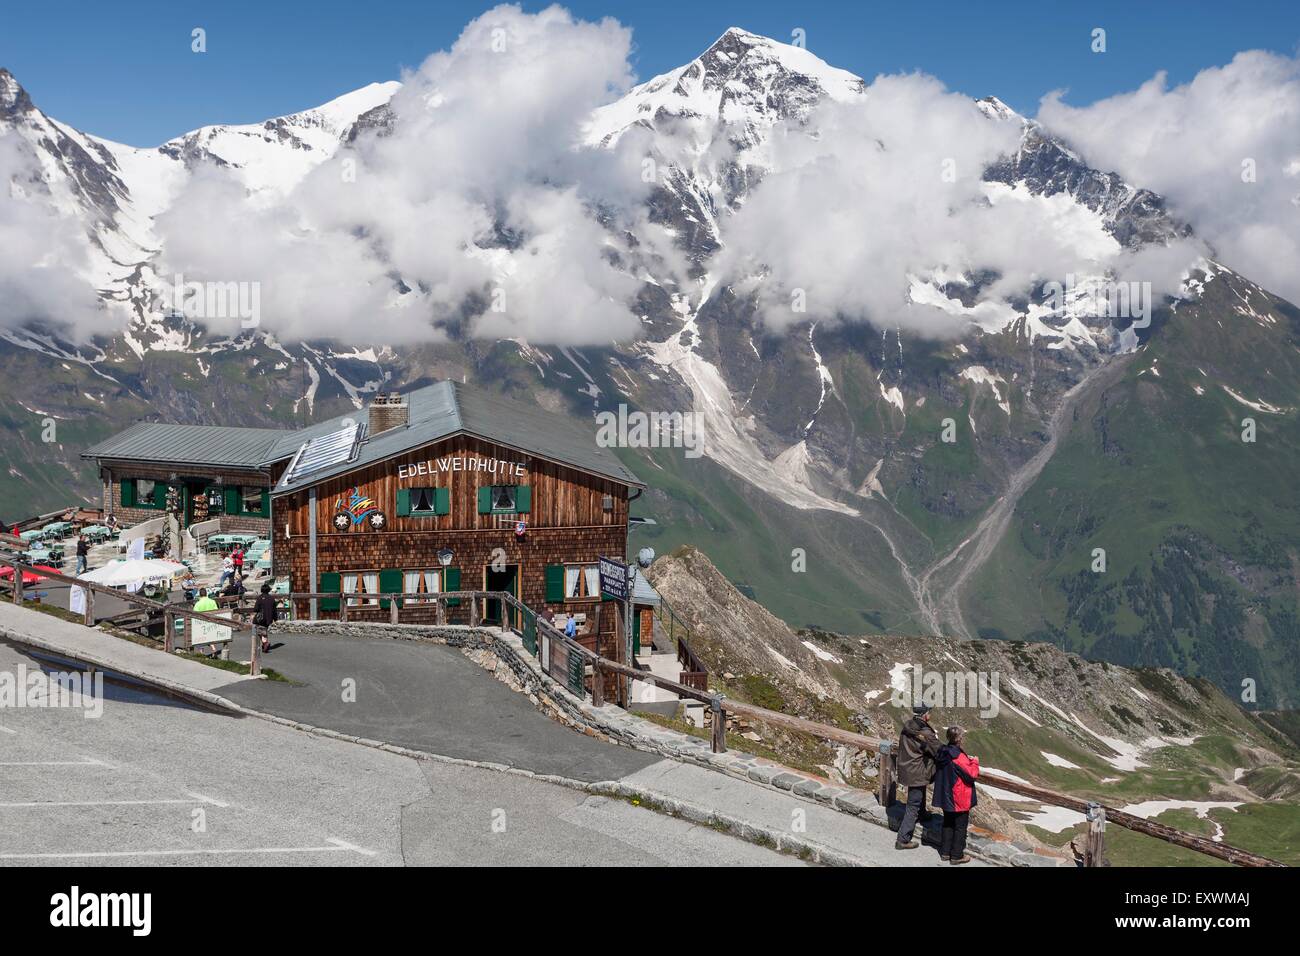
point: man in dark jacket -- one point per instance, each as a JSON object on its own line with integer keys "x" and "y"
{"x": 918, "y": 745}
{"x": 264, "y": 614}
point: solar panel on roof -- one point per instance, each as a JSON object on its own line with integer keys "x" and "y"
{"x": 325, "y": 450}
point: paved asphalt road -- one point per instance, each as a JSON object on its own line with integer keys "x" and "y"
{"x": 425, "y": 696}
{"x": 127, "y": 788}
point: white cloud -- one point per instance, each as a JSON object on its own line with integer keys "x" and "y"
{"x": 482, "y": 194}
{"x": 44, "y": 264}
{"x": 479, "y": 196}
{"x": 1189, "y": 144}
{"x": 889, "y": 188}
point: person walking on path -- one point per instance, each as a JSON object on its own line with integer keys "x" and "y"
{"x": 237, "y": 558}
{"x": 954, "y": 794}
{"x": 918, "y": 745}
{"x": 227, "y": 571}
{"x": 264, "y": 614}
{"x": 83, "y": 551}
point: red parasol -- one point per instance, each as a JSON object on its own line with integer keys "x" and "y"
{"x": 7, "y": 572}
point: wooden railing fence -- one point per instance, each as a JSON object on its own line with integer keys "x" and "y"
{"x": 567, "y": 661}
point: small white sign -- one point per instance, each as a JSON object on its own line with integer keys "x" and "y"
{"x": 205, "y": 632}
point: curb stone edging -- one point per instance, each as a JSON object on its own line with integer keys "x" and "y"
{"x": 644, "y": 796}
{"x": 608, "y": 723}
{"x": 613, "y": 724}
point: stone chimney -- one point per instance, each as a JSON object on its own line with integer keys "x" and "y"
{"x": 387, "y": 412}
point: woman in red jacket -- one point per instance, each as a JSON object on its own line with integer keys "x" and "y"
{"x": 954, "y": 794}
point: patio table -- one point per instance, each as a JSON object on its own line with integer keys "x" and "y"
{"x": 226, "y": 540}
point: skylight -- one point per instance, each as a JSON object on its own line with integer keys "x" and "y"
{"x": 324, "y": 451}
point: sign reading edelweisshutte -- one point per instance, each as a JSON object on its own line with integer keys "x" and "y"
{"x": 437, "y": 466}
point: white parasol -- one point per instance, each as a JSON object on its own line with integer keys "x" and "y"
{"x": 134, "y": 572}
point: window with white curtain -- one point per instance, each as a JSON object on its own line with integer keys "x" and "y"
{"x": 360, "y": 582}
{"x": 424, "y": 501}
{"x": 503, "y": 497}
{"x": 581, "y": 581}
{"x": 422, "y": 582}
{"x": 146, "y": 489}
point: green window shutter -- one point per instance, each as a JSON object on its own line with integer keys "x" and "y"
{"x": 232, "y": 500}
{"x": 403, "y": 502}
{"x": 266, "y": 502}
{"x": 390, "y": 581}
{"x": 442, "y": 501}
{"x": 330, "y": 581}
{"x": 485, "y": 500}
{"x": 128, "y": 492}
{"x": 451, "y": 582}
{"x": 523, "y": 499}
{"x": 554, "y": 583}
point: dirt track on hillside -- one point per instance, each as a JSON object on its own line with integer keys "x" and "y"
{"x": 942, "y": 583}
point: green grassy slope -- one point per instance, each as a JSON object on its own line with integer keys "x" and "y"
{"x": 1199, "y": 527}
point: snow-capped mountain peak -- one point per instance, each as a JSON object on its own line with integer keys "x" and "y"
{"x": 277, "y": 153}
{"x": 13, "y": 98}
{"x": 742, "y": 78}
{"x": 994, "y": 108}
{"x": 118, "y": 190}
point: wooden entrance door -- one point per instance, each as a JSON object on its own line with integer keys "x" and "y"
{"x": 504, "y": 580}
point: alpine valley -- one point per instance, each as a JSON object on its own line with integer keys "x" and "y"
{"x": 1076, "y": 431}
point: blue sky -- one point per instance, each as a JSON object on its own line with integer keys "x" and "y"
{"x": 126, "y": 72}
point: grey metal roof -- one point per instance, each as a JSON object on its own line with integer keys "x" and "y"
{"x": 450, "y": 408}
{"x": 171, "y": 444}
{"x": 643, "y": 592}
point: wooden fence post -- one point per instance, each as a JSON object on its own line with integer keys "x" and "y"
{"x": 888, "y": 774}
{"x": 1093, "y": 854}
{"x": 88, "y": 618}
{"x": 185, "y": 633}
{"x": 719, "y": 726}
{"x": 392, "y": 610}
{"x": 169, "y": 631}
{"x": 597, "y": 684}
{"x": 18, "y": 584}
{"x": 473, "y": 611}
{"x": 343, "y": 609}
{"x": 255, "y": 658}
{"x": 441, "y": 611}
